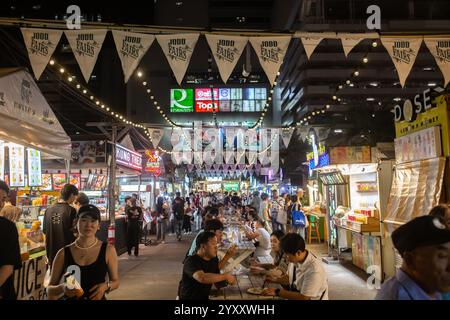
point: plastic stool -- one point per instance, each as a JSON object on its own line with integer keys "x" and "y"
{"x": 313, "y": 228}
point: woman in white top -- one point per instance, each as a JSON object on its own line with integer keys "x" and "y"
{"x": 263, "y": 240}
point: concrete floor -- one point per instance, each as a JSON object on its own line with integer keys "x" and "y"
{"x": 155, "y": 274}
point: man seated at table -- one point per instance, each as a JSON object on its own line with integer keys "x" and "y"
{"x": 262, "y": 240}
{"x": 216, "y": 227}
{"x": 201, "y": 270}
{"x": 306, "y": 278}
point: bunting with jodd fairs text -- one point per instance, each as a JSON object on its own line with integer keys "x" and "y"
{"x": 86, "y": 45}
{"x": 178, "y": 49}
{"x": 131, "y": 47}
{"x": 40, "y": 44}
{"x": 270, "y": 52}
{"x": 311, "y": 40}
{"x": 226, "y": 51}
{"x": 403, "y": 52}
{"x": 440, "y": 49}
{"x": 350, "y": 40}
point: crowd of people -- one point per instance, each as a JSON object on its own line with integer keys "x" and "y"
{"x": 275, "y": 224}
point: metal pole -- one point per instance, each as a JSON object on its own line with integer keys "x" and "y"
{"x": 112, "y": 178}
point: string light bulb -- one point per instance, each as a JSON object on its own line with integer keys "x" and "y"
{"x": 52, "y": 62}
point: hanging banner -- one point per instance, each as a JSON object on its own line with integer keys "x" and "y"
{"x": 2, "y": 160}
{"x": 131, "y": 47}
{"x": 271, "y": 52}
{"x": 241, "y": 167}
{"x": 198, "y": 166}
{"x": 16, "y": 165}
{"x": 286, "y": 135}
{"x": 403, "y": 52}
{"x": 178, "y": 49}
{"x": 86, "y": 45}
{"x": 156, "y": 136}
{"x": 440, "y": 49}
{"x": 40, "y": 44}
{"x": 226, "y": 51}
{"x": 350, "y": 40}
{"x": 311, "y": 40}
{"x": 190, "y": 167}
{"x": 303, "y": 133}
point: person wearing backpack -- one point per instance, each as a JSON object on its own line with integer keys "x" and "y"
{"x": 178, "y": 212}
{"x": 299, "y": 219}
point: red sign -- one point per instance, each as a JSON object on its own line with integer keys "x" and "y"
{"x": 152, "y": 165}
{"x": 59, "y": 180}
{"x": 204, "y": 94}
{"x": 75, "y": 179}
{"x": 206, "y": 106}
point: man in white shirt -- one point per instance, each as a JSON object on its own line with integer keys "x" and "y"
{"x": 306, "y": 279}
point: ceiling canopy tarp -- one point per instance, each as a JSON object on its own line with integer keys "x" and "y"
{"x": 416, "y": 188}
{"x": 26, "y": 118}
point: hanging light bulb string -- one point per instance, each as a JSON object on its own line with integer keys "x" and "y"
{"x": 71, "y": 80}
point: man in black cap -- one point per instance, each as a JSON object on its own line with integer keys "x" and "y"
{"x": 424, "y": 244}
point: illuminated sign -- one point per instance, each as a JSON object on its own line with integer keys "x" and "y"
{"x": 222, "y": 99}
{"x": 152, "y": 164}
{"x": 181, "y": 100}
{"x": 324, "y": 160}
{"x": 206, "y": 106}
{"x": 34, "y": 168}
{"x": 128, "y": 158}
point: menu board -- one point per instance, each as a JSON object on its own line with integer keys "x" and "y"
{"x": 16, "y": 165}
{"x": 75, "y": 179}
{"x": 34, "y": 168}
{"x": 46, "y": 182}
{"x": 420, "y": 145}
{"x": 96, "y": 182}
{"x": 59, "y": 180}
{"x": 2, "y": 160}
{"x": 349, "y": 155}
{"x": 332, "y": 178}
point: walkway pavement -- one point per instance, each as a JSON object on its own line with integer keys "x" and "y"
{"x": 155, "y": 274}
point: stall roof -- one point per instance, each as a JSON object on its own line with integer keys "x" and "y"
{"x": 25, "y": 116}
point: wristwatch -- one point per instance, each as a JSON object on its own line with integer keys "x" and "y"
{"x": 277, "y": 292}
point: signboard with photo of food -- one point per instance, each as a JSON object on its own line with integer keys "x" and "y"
{"x": 59, "y": 180}
{"x": 75, "y": 179}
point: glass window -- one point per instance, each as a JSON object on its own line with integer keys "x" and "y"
{"x": 249, "y": 93}
{"x": 236, "y": 93}
{"x": 224, "y": 106}
{"x": 260, "y": 93}
{"x": 236, "y": 105}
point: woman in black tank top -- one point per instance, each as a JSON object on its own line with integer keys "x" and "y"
{"x": 88, "y": 258}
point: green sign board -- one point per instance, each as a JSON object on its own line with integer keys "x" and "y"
{"x": 231, "y": 186}
{"x": 181, "y": 100}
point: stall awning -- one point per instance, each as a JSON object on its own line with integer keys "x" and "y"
{"x": 26, "y": 118}
{"x": 416, "y": 188}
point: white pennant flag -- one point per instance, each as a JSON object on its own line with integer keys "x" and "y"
{"x": 178, "y": 49}
{"x": 311, "y": 40}
{"x": 86, "y": 45}
{"x": 350, "y": 40}
{"x": 131, "y": 47}
{"x": 440, "y": 49}
{"x": 198, "y": 166}
{"x": 226, "y": 51}
{"x": 40, "y": 44}
{"x": 156, "y": 136}
{"x": 303, "y": 133}
{"x": 271, "y": 52}
{"x": 403, "y": 52}
{"x": 190, "y": 167}
{"x": 286, "y": 135}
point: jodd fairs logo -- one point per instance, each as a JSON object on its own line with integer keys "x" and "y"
{"x": 178, "y": 49}
{"x": 131, "y": 47}
{"x": 270, "y": 51}
{"x": 226, "y": 50}
{"x": 86, "y": 45}
{"x": 402, "y": 52}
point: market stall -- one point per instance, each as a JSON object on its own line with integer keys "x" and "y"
{"x": 365, "y": 181}
{"x": 420, "y": 180}
{"x": 29, "y": 133}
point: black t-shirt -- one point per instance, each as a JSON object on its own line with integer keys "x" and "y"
{"x": 9, "y": 255}
{"x": 178, "y": 208}
{"x": 58, "y": 228}
{"x": 134, "y": 215}
{"x": 191, "y": 289}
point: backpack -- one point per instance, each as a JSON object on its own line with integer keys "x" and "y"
{"x": 298, "y": 218}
